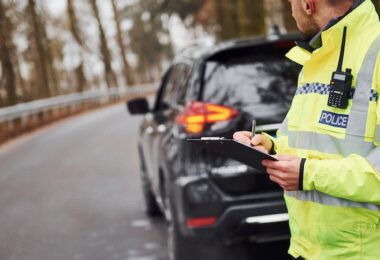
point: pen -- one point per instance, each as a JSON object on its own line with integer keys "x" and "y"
{"x": 253, "y": 128}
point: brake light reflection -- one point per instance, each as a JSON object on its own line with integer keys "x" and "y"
{"x": 198, "y": 114}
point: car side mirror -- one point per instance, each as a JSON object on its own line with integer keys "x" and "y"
{"x": 138, "y": 106}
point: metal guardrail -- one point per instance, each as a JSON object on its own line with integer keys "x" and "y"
{"x": 21, "y": 118}
{"x": 45, "y": 105}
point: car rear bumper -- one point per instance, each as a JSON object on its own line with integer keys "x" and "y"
{"x": 259, "y": 222}
{"x": 260, "y": 218}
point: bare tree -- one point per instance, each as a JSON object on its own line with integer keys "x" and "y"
{"x": 227, "y": 18}
{"x": 120, "y": 42}
{"x": 289, "y": 21}
{"x": 81, "y": 80}
{"x": 6, "y": 59}
{"x": 49, "y": 57}
{"x": 240, "y": 18}
{"x": 246, "y": 9}
{"x": 106, "y": 55}
{"x": 40, "y": 60}
{"x": 377, "y": 5}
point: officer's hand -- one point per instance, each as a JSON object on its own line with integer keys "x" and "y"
{"x": 260, "y": 142}
{"x": 284, "y": 172}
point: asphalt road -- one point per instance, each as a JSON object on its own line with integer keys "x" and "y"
{"x": 72, "y": 191}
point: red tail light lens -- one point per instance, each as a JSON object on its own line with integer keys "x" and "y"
{"x": 198, "y": 114}
{"x": 200, "y": 222}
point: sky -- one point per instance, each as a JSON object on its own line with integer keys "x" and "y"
{"x": 56, "y": 8}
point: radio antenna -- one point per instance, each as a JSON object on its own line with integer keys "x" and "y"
{"x": 341, "y": 55}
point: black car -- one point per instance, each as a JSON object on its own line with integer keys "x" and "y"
{"x": 215, "y": 205}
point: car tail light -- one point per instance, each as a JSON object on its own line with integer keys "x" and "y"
{"x": 198, "y": 114}
{"x": 200, "y": 222}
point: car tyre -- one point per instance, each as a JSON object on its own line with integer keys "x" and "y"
{"x": 151, "y": 206}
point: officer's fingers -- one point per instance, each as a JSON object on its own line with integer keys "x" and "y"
{"x": 285, "y": 157}
{"x": 281, "y": 179}
{"x": 263, "y": 141}
{"x": 243, "y": 134}
{"x": 243, "y": 137}
{"x": 257, "y": 140}
{"x": 276, "y": 173}
{"x": 282, "y": 166}
{"x": 290, "y": 163}
{"x": 277, "y": 180}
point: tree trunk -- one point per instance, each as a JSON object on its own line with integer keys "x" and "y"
{"x": 251, "y": 17}
{"x": 120, "y": 41}
{"x": 229, "y": 19}
{"x": 81, "y": 80}
{"x": 239, "y": 18}
{"x": 6, "y": 60}
{"x": 289, "y": 22}
{"x": 377, "y": 5}
{"x": 49, "y": 61}
{"x": 73, "y": 22}
{"x": 40, "y": 62}
{"x": 25, "y": 94}
{"x": 109, "y": 74}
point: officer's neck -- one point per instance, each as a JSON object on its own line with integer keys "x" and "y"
{"x": 325, "y": 13}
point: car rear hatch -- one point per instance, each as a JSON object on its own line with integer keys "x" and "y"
{"x": 257, "y": 82}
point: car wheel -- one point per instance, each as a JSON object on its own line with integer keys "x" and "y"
{"x": 151, "y": 207}
{"x": 177, "y": 245}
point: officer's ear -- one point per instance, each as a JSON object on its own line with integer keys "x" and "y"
{"x": 308, "y": 6}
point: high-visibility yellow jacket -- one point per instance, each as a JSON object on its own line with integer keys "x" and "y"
{"x": 337, "y": 214}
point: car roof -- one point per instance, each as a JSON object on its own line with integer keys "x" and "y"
{"x": 203, "y": 52}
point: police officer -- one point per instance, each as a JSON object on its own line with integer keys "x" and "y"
{"x": 328, "y": 145}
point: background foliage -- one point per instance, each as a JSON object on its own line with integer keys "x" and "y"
{"x": 44, "y": 55}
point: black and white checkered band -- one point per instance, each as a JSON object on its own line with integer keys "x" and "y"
{"x": 374, "y": 95}
{"x": 324, "y": 89}
{"x": 317, "y": 88}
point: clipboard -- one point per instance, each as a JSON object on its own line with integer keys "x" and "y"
{"x": 235, "y": 150}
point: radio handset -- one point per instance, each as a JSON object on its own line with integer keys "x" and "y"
{"x": 341, "y": 82}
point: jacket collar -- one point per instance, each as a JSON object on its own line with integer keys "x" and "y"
{"x": 316, "y": 41}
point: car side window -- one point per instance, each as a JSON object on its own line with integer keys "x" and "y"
{"x": 174, "y": 90}
{"x": 182, "y": 88}
{"x": 158, "y": 102}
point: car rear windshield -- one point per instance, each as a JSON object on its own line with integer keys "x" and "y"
{"x": 260, "y": 85}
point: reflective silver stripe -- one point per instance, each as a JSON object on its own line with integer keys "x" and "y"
{"x": 374, "y": 158}
{"x": 322, "y": 198}
{"x": 326, "y": 143}
{"x": 377, "y": 135}
{"x": 360, "y": 104}
{"x": 283, "y": 129}
{"x": 329, "y": 144}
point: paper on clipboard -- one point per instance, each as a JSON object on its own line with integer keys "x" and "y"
{"x": 235, "y": 150}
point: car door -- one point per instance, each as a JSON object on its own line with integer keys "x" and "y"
{"x": 149, "y": 131}
{"x": 160, "y": 121}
